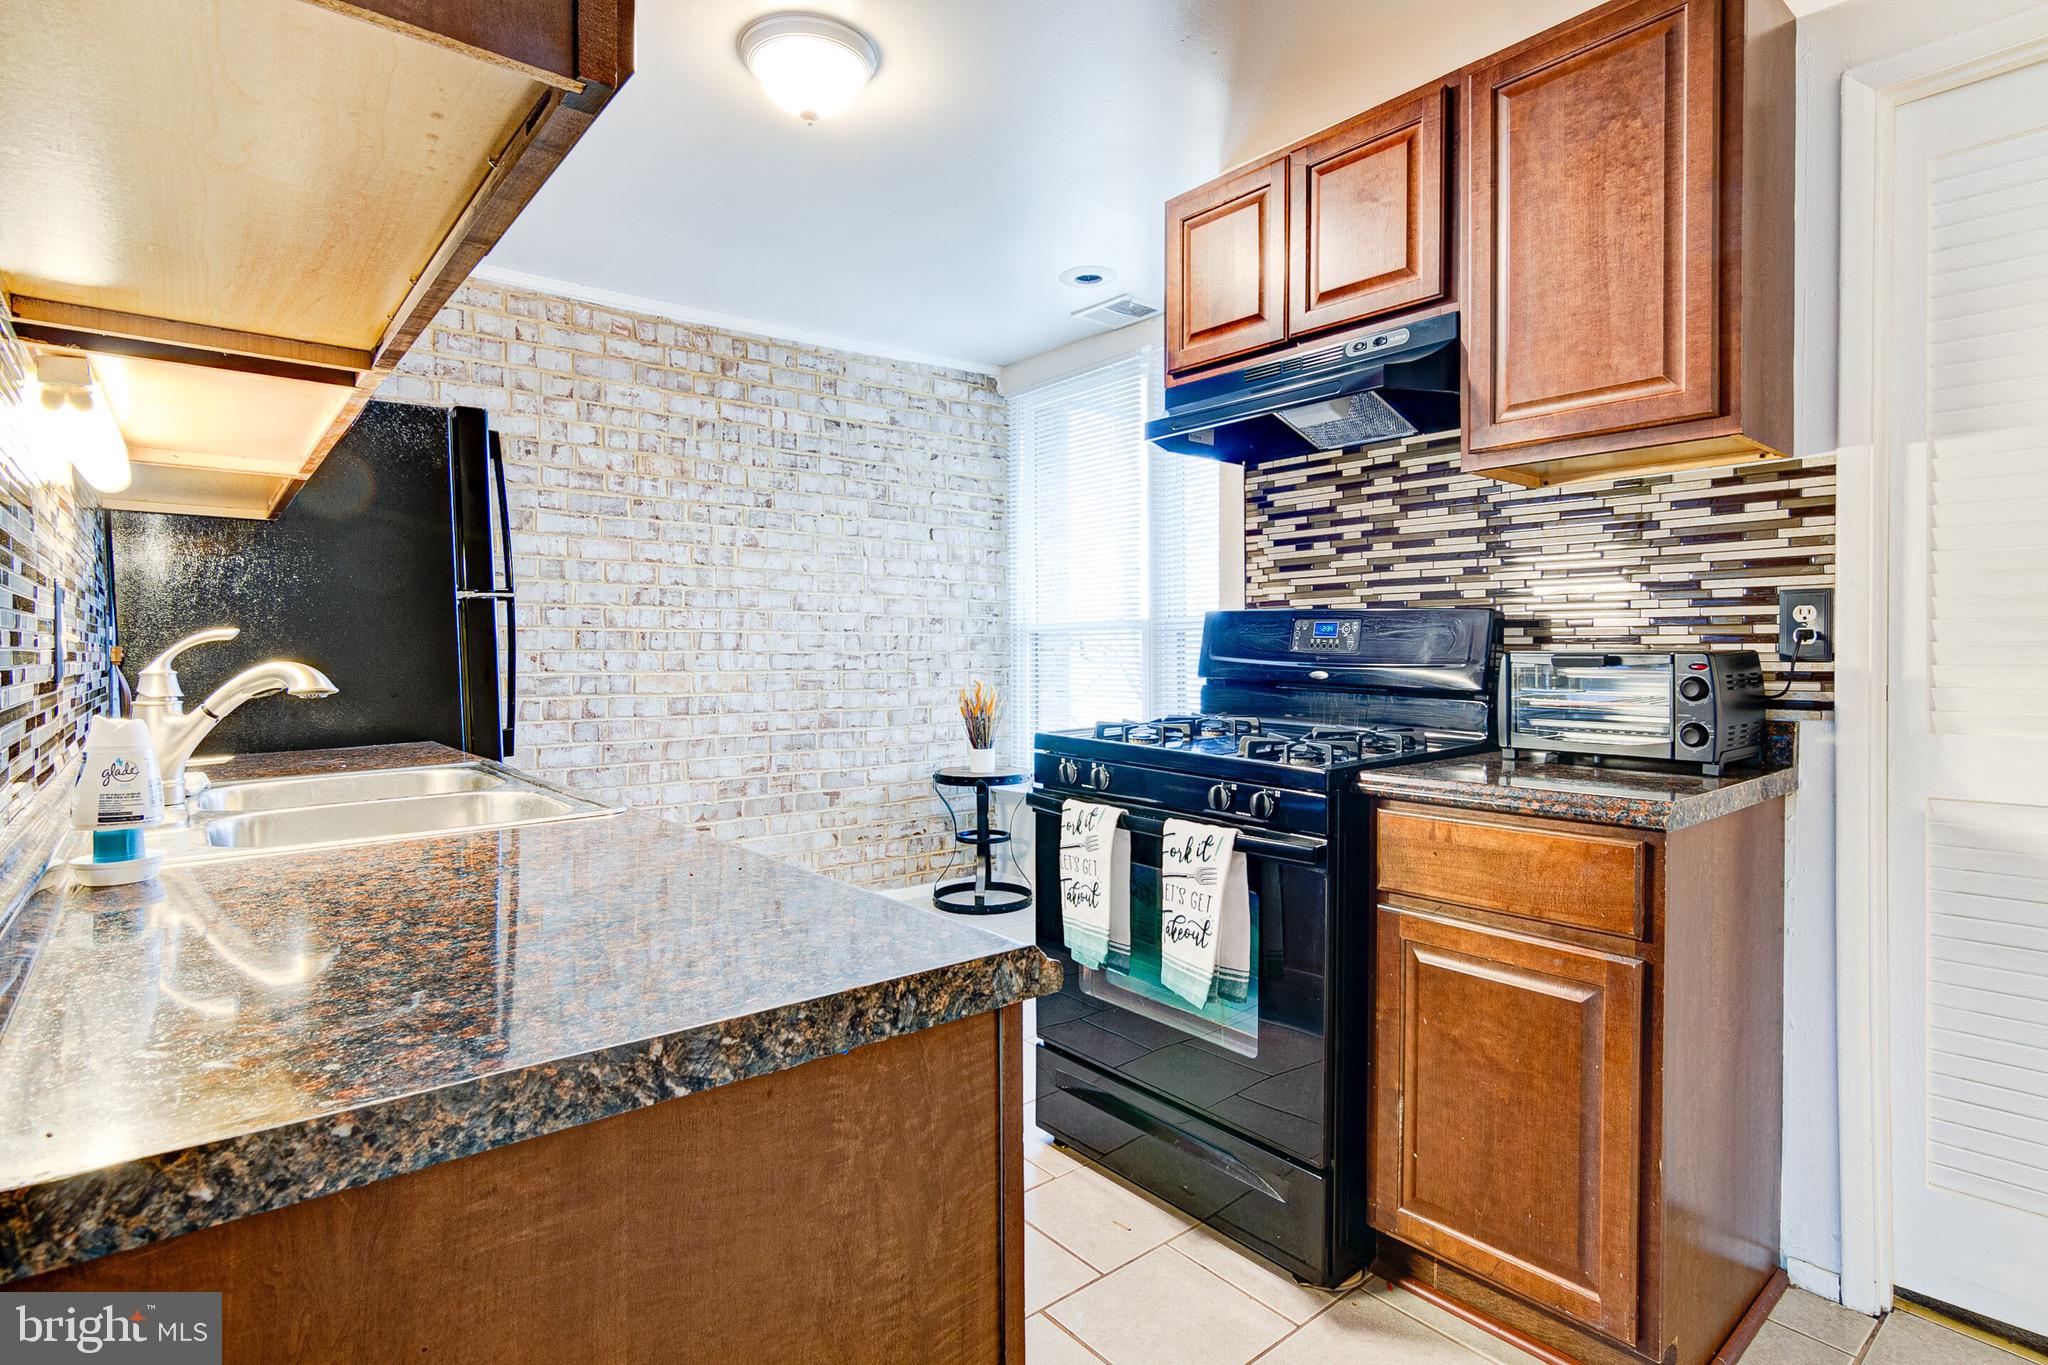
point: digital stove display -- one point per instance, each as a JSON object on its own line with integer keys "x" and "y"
{"x": 1323, "y": 635}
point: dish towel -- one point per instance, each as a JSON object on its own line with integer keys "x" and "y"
{"x": 1205, "y": 923}
{"x": 1095, "y": 884}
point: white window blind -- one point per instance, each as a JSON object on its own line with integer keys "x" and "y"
{"x": 1114, "y": 554}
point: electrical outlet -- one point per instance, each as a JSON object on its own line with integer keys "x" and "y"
{"x": 1807, "y": 609}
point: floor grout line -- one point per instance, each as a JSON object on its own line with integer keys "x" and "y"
{"x": 1851, "y": 1356}
{"x": 1255, "y": 1300}
{"x": 1330, "y": 1299}
{"x": 1393, "y": 1301}
{"x": 1061, "y": 1328}
{"x": 1292, "y": 1325}
{"x": 1099, "y": 1274}
{"x": 1333, "y": 1299}
{"x": 1285, "y": 1337}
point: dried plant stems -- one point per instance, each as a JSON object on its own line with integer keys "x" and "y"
{"x": 979, "y": 707}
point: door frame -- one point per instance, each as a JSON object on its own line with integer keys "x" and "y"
{"x": 1872, "y": 95}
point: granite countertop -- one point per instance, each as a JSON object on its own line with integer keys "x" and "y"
{"x": 242, "y": 1034}
{"x": 1607, "y": 794}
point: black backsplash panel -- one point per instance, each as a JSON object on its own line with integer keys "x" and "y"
{"x": 1673, "y": 561}
{"x": 357, "y": 570}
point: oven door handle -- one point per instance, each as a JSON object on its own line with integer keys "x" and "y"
{"x": 1208, "y": 1153}
{"x": 1284, "y": 848}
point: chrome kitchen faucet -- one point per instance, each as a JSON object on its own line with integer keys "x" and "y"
{"x": 160, "y": 702}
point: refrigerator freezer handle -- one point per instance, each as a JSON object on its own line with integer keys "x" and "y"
{"x": 510, "y": 720}
{"x": 497, "y": 456}
{"x": 511, "y": 717}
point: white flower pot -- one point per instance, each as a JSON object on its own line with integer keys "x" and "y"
{"x": 981, "y": 760}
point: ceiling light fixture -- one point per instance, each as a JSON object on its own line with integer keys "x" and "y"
{"x": 69, "y": 418}
{"x": 810, "y": 65}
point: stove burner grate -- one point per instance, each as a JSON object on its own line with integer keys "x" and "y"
{"x": 1177, "y": 729}
{"x": 1320, "y": 746}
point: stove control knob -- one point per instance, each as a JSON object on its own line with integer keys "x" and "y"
{"x": 1692, "y": 689}
{"x": 1098, "y": 777}
{"x": 1693, "y": 735}
{"x": 1222, "y": 796}
{"x": 1070, "y": 771}
{"x": 1265, "y": 803}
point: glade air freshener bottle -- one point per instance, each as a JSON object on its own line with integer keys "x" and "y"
{"x": 117, "y": 797}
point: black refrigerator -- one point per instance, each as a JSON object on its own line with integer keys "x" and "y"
{"x": 391, "y": 572}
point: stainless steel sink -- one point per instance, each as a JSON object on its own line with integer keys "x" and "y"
{"x": 276, "y": 815}
{"x": 395, "y": 818}
{"x": 291, "y": 793}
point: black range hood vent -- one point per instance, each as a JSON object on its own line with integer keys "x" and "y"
{"x": 1374, "y": 387}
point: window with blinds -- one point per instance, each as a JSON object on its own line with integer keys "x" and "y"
{"x": 1114, "y": 554}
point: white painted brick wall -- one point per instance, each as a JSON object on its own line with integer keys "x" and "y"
{"x": 753, "y": 574}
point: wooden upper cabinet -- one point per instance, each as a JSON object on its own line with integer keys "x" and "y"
{"x": 1226, "y": 267}
{"x": 1629, "y": 301}
{"x": 1507, "y": 1130}
{"x": 1593, "y": 187}
{"x": 281, "y": 196}
{"x": 1366, "y": 216}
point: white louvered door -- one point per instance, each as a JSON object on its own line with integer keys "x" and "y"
{"x": 1969, "y": 698}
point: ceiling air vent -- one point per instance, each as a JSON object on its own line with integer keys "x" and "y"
{"x": 1121, "y": 311}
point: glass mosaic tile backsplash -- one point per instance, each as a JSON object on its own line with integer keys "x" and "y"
{"x": 56, "y": 627}
{"x": 1677, "y": 561}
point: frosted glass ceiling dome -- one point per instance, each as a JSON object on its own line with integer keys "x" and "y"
{"x": 809, "y": 65}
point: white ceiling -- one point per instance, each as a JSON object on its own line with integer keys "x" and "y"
{"x": 1001, "y": 143}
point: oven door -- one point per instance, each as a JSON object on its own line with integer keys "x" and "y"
{"x": 1256, "y": 1068}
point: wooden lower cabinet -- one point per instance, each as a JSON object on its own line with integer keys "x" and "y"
{"x": 865, "y": 1208}
{"x": 1513, "y": 1146}
{"x": 1575, "y": 1130}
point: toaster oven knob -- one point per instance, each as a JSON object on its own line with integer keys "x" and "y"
{"x": 1692, "y": 689}
{"x": 1222, "y": 796}
{"x": 1098, "y": 777}
{"x": 1070, "y": 771}
{"x": 1694, "y": 735}
{"x": 1264, "y": 803}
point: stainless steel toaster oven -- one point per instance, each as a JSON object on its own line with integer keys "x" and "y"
{"x": 1705, "y": 708}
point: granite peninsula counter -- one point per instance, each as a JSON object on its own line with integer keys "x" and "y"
{"x": 243, "y": 1037}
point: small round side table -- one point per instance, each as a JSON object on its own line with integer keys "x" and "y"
{"x": 983, "y": 895}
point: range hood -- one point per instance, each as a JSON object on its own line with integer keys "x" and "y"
{"x": 1366, "y": 388}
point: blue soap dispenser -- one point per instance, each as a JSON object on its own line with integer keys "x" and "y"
{"x": 117, "y": 797}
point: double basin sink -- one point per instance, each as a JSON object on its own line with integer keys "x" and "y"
{"x": 278, "y": 814}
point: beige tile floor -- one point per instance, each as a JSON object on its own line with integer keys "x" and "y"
{"x": 1111, "y": 1274}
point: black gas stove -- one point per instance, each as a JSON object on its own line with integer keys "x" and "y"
{"x": 1253, "y": 1119}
